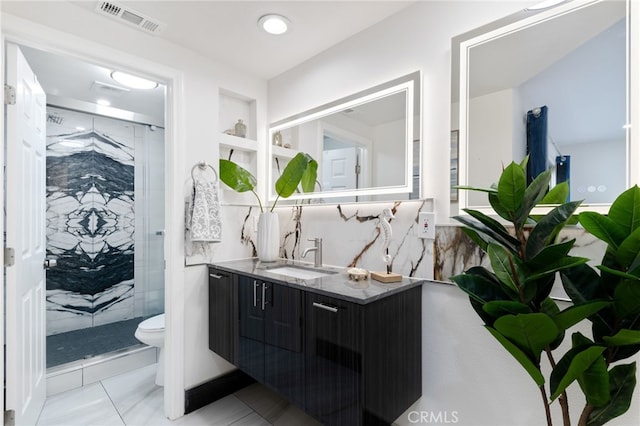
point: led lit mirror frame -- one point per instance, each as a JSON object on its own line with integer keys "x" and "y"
{"x": 522, "y": 21}
{"x": 323, "y": 119}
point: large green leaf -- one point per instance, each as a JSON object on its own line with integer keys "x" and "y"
{"x": 292, "y": 175}
{"x": 511, "y": 188}
{"x": 547, "y": 229}
{"x": 532, "y": 195}
{"x": 479, "y": 286}
{"x": 557, "y": 195}
{"x": 495, "y": 226}
{"x": 506, "y": 266}
{"x": 576, "y": 313}
{"x": 582, "y": 284}
{"x": 480, "y": 227}
{"x": 558, "y": 265}
{"x": 594, "y": 382}
{"x": 520, "y": 356}
{"x": 500, "y": 210}
{"x": 550, "y": 307}
{"x": 625, "y": 210}
{"x": 623, "y": 337}
{"x": 308, "y": 181}
{"x": 575, "y": 362}
{"x": 617, "y": 273}
{"x": 236, "y": 177}
{"x": 628, "y": 252}
{"x": 622, "y": 382}
{"x": 530, "y": 332}
{"x": 549, "y": 254}
{"x": 627, "y": 298}
{"x": 603, "y": 228}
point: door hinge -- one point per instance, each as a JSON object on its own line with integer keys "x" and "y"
{"x": 358, "y": 169}
{"x": 9, "y": 95}
{"x": 10, "y": 418}
{"x": 9, "y": 256}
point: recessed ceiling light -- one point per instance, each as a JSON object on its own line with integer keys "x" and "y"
{"x": 103, "y": 102}
{"x": 133, "y": 81}
{"x": 545, "y": 4}
{"x": 274, "y": 24}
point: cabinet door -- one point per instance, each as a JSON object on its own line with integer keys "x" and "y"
{"x": 251, "y": 336}
{"x": 284, "y": 361}
{"x": 333, "y": 360}
{"x": 222, "y": 324}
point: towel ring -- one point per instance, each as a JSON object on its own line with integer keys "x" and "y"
{"x": 203, "y": 166}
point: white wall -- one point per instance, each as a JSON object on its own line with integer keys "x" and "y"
{"x": 464, "y": 369}
{"x": 62, "y": 27}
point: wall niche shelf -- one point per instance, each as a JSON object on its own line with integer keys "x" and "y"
{"x": 281, "y": 152}
{"x": 243, "y": 151}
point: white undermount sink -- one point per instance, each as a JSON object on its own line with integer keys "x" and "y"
{"x": 302, "y": 273}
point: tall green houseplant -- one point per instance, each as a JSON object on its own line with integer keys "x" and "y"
{"x": 512, "y": 298}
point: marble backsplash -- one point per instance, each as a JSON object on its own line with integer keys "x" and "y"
{"x": 350, "y": 233}
{"x": 351, "y": 237}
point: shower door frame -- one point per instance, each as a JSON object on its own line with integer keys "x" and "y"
{"x": 27, "y": 33}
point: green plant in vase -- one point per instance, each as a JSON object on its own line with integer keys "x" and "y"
{"x": 512, "y": 298}
{"x": 301, "y": 171}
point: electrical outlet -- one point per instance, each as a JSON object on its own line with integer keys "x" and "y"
{"x": 427, "y": 225}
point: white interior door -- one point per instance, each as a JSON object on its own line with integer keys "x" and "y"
{"x": 25, "y": 227}
{"x": 339, "y": 169}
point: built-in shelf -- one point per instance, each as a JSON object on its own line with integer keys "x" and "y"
{"x": 235, "y": 142}
{"x": 281, "y": 152}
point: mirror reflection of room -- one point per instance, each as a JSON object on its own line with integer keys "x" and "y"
{"x": 562, "y": 103}
{"x": 365, "y": 144}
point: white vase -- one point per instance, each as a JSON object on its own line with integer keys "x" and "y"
{"x": 268, "y": 237}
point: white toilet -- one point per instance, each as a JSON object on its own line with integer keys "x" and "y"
{"x": 151, "y": 332}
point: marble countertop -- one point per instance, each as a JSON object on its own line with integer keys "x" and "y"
{"x": 337, "y": 284}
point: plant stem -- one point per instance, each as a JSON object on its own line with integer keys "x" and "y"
{"x": 584, "y": 417}
{"x": 547, "y": 411}
{"x": 563, "y": 400}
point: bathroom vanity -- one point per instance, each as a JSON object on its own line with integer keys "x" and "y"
{"x": 345, "y": 352}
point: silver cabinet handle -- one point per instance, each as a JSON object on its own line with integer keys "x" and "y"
{"x": 217, "y": 277}
{"x": 325, "y": 307}
{"x": 255, "y": 294}
{"x": 264, "y": 293}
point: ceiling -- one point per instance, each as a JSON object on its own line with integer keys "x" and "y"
{"x": 225, "y": 31}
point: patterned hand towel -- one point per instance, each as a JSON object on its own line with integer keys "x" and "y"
{"x": 206, "y": 225}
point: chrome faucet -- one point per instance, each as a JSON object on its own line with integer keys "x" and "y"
{"x": 318, "y": 249}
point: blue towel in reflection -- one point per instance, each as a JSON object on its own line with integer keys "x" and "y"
{"x": 536, "y": 142}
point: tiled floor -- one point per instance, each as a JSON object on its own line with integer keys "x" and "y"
{"x": 133, "y": 399}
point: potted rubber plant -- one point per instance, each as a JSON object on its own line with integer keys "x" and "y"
{"x": 301, "y": 171}
{"x": 513, "y": 297}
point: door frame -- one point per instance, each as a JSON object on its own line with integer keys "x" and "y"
{"x": 28, "y": 33}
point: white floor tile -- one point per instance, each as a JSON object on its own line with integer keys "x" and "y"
{"x": 89, "y": 405}
{"x": 137, "y": 398}
{"x": 224, "y": 411}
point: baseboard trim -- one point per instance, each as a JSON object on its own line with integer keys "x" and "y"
{"x": 215, "y": 389}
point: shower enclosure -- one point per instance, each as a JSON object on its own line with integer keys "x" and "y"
{"x": 105, "y": 228}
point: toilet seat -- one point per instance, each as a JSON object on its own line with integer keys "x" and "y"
{"x": 152, "y": 324}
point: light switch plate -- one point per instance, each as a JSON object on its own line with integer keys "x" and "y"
{"x": 427, "y": 225}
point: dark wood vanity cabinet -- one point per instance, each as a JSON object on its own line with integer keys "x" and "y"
{"x": 270, "y": 336}
{"x": 363, "y": 362}
{"x": 222, "y": 314}
{"x": 342, "y": 362}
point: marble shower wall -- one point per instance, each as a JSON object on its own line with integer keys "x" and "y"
{"x": 90, "y": 220}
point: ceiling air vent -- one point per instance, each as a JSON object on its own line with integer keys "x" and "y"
{"x": 129, "y": 16}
